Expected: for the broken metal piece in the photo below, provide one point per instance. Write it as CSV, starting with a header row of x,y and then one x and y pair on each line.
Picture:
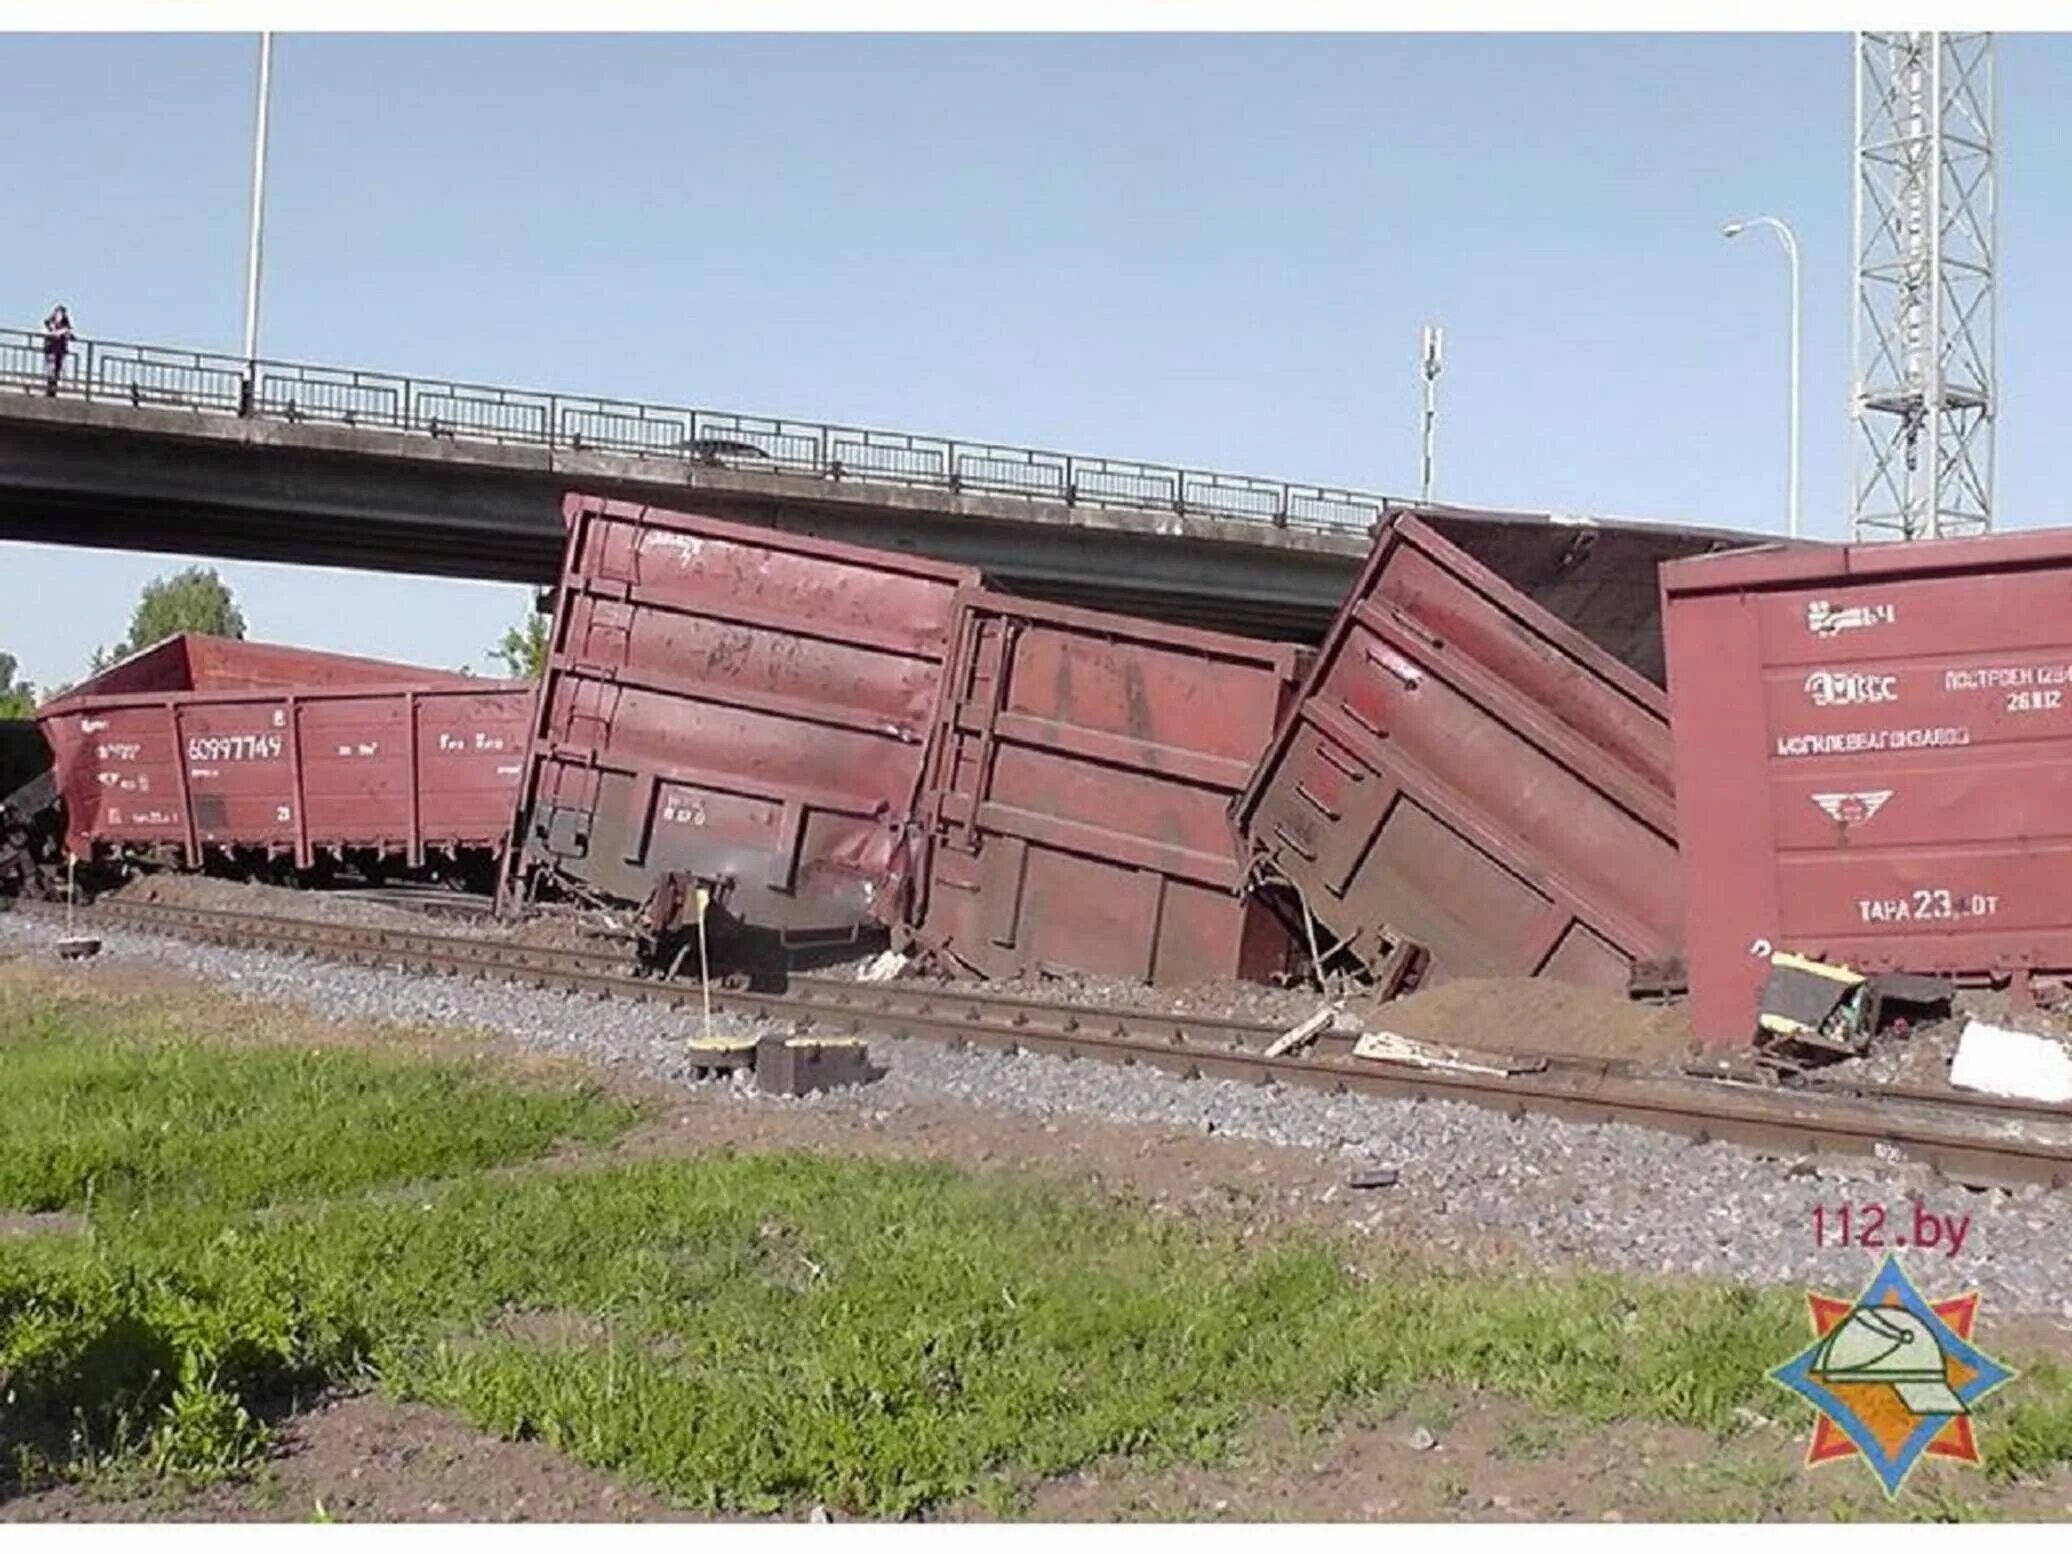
x,y
1813,1012
1302,1034
1388,1047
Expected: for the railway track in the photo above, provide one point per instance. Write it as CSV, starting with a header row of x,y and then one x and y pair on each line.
x,y
1975,1140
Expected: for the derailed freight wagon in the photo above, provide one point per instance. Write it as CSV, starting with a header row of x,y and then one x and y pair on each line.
x,y
1478,773
1079,789
26,792
1873,761
281,762
737,710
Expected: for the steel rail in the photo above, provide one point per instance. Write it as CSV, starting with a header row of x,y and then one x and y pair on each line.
x,y
1971,1139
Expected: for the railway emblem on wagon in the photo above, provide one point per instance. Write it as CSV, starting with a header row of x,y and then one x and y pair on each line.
x,y
1852,809
1893,1376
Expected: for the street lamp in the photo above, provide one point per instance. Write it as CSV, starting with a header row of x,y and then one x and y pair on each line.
x,y
252,249
1791,250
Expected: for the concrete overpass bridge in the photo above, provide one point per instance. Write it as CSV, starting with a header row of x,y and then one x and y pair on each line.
x,y
157,449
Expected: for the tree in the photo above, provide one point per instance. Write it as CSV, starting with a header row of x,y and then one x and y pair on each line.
x,y
193,600
17,697
524,648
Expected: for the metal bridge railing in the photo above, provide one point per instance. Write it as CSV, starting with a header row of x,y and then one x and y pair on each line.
x,y
115,372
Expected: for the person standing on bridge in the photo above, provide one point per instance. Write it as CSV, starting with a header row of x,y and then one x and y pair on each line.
x,y
57,340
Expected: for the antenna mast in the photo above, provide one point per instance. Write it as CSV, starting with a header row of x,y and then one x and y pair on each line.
x,y
1432,347
1925,388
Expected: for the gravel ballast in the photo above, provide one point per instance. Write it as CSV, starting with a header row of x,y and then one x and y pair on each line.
x,y
1612,1196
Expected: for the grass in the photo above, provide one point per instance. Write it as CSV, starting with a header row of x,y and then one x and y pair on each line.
x,y
737,1332
1532,1441
774,1329
120,1110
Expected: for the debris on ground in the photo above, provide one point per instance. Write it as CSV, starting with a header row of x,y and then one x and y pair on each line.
x,y
1999,1061
1534,1014
885,966
1388,1047
1813,1013
1303,1033
1373,1176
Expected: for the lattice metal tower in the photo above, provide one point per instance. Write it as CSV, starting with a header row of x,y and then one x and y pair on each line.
x,y
1924,385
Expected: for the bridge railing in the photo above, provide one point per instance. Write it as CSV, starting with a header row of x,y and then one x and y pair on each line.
x,y
118,372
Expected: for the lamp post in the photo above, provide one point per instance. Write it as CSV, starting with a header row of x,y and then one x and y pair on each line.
x,y
1791,251
1431,352
252,250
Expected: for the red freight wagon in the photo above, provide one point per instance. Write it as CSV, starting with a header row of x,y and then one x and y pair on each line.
x,y
1078,800
1873,760
202,749
734,707
1469,773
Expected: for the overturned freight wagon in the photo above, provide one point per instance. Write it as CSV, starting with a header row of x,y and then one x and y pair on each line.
x,y
1873,761
1478,774
1078,796
202,752
737,710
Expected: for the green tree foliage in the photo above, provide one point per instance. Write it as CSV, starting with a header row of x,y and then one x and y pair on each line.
x,y
524,648
17,697
193,600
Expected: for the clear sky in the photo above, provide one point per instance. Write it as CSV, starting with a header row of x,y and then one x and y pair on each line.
x,y
1198,249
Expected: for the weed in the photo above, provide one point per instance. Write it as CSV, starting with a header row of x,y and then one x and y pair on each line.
x,y
1436,1414
2034,1431
1530,1442
1765,1484
1941,1505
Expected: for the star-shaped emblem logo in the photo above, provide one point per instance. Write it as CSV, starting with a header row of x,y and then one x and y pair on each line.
x,y
1893,1375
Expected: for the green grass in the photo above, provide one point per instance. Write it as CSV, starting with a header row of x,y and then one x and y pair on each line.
x,y
736,1332
120,1111
881,1337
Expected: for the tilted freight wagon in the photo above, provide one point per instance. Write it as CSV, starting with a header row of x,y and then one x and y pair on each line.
x,y
27,791
203,752
732,709
1479,767
1077,805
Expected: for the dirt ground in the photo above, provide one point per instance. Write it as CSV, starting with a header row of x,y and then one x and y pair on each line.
x,y
364,1459
1463,1457
1521,1014
1439,1456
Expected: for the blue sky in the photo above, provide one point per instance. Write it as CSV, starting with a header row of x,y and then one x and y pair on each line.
x,y
1199,249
